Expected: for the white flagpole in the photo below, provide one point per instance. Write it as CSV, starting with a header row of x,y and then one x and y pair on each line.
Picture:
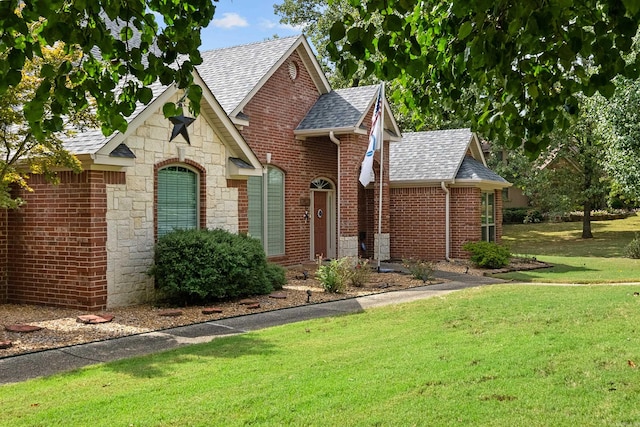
x,y
382,99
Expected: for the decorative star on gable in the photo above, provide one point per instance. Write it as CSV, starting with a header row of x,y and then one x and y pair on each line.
x,y
180,124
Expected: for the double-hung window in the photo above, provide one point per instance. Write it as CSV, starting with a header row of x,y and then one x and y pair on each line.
x,y
266,210
488,217
177,202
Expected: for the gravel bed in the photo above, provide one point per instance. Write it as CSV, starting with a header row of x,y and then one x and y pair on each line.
x,y
60,327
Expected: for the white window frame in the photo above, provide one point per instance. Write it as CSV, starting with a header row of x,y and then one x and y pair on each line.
x,y
488,216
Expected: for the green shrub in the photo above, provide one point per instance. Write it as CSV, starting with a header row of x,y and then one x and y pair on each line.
x,y
276,275
632,250
204,265
421,270
533,216
333,276
514,215
488,254
360,273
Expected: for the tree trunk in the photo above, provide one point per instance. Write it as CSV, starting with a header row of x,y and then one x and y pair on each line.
x,y
586,221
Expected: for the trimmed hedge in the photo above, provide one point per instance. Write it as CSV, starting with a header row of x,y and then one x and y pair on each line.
x,y
488,254
206,265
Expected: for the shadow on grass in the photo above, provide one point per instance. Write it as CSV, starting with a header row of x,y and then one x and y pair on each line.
x,y
226,343
552,273
169,362
604,244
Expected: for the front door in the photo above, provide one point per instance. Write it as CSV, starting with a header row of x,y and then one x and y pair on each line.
x,y
320,224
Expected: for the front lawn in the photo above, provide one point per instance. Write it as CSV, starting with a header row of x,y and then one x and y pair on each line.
x,y
503,355
575,260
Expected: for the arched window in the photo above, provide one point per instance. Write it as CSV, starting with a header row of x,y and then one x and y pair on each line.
x,y
177,199
266,210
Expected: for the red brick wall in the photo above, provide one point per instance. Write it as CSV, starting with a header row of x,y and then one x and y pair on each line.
x,y
499,204
3,256
274,112
57,242
418,223
465,219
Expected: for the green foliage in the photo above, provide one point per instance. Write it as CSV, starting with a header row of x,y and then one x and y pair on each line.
x,y
514,215
532,216
507,69
275,275
205,265
623,149
333,276
632,250
360,273
419,269
61,62
139,54
488,254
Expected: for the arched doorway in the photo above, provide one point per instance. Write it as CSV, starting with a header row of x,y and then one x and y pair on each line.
x,y
323,219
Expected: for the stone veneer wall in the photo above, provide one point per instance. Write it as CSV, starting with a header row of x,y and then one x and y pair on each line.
x,y
131,227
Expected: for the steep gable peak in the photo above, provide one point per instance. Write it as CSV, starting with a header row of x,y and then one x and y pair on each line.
x,y
235,74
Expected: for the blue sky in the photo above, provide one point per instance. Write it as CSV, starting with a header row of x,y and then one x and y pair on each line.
x,y
243,21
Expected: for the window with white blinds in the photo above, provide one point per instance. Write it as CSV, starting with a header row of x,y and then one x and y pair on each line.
x,y
177,199
266,210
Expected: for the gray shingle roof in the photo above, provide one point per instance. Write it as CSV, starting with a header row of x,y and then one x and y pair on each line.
x,y
89,141
437,156
339,108
428,156
471,169
231,73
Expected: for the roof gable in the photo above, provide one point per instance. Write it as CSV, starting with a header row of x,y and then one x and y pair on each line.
x,y
236,73
344,110
439,156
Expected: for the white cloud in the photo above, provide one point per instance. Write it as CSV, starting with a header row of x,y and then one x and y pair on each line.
x,y
265,23
230,20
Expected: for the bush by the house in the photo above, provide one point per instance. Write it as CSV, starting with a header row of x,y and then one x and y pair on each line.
x,y
421,270
632,250
514,215
204,265
333,276
488,254
276,275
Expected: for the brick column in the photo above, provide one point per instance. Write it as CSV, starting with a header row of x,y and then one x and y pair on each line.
x,y
3,256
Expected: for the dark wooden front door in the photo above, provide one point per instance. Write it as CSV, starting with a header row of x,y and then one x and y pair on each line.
x,y
320,223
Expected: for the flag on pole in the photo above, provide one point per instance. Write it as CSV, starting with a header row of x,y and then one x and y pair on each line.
x,y
375,141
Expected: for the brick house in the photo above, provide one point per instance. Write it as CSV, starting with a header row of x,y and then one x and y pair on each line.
x,y
442,195
275,153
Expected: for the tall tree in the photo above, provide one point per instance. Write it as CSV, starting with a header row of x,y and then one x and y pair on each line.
x,y
571,172
140,52
511,69
623,150
21,151
316,18
69,62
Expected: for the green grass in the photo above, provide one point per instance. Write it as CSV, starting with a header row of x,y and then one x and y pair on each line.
x,y
506,355
575,260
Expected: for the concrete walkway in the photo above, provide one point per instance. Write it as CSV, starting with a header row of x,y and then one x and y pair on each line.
x,y
23,367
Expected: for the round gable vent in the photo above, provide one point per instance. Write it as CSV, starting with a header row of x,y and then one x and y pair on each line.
x,y
293,70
